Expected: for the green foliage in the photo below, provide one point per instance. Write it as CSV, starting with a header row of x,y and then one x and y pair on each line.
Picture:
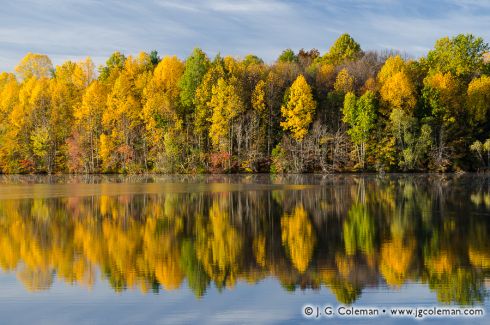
x,y
114,63
345,48
414,143
287,56
360,115
279,160
461,55
252,59
40,146
196,66
359,230
154,58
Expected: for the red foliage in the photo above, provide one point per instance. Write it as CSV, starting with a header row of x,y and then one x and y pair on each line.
x,y
220,162
75,155
27,166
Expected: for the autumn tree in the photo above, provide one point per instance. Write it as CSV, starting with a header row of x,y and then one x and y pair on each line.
x,y
83,146
161,113
345,48
226,105
121,144
344,82
440,94
397,90
113,66
299,109
399,98
479,99
34,65
204,93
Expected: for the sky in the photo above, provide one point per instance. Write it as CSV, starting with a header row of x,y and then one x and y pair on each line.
x,y
74,29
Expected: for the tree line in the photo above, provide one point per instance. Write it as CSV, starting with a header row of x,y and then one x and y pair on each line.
x,y
344,110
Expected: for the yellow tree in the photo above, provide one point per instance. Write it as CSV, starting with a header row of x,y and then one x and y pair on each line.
x,y
39,135
160,112
84,73
259,123
344,82
9,96
204,93
34,65
83,147
66,93
397,90
226,105
441,92
479,98
398,99
442,95
299,109
122,146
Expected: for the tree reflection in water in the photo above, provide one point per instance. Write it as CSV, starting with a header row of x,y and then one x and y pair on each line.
x,y
342,232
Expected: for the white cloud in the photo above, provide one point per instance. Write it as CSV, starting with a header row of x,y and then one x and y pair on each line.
x,y
77,28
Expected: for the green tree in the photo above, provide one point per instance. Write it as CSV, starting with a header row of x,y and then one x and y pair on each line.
x,y
461,55
287,56
196,66
345,48
114,65
360,115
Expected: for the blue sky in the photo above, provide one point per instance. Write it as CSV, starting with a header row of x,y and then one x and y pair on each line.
x,y
74,29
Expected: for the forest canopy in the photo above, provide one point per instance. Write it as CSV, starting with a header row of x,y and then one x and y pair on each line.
x,y
344,110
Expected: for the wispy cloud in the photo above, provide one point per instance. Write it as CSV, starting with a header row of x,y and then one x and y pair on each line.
x,y
70,29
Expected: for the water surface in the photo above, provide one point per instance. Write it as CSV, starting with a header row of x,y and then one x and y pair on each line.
x,y
239,249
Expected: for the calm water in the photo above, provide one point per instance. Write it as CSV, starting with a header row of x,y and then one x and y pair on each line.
x,y
240,249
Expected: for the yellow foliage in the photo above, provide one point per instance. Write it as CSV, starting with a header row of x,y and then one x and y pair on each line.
x,y
298,237
446,86
299,109
479,97
259,250
167,75
392,66
34,65
325,76
258,97
479,258
344,82
396,258
226,104
441,264
219,245
399,91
